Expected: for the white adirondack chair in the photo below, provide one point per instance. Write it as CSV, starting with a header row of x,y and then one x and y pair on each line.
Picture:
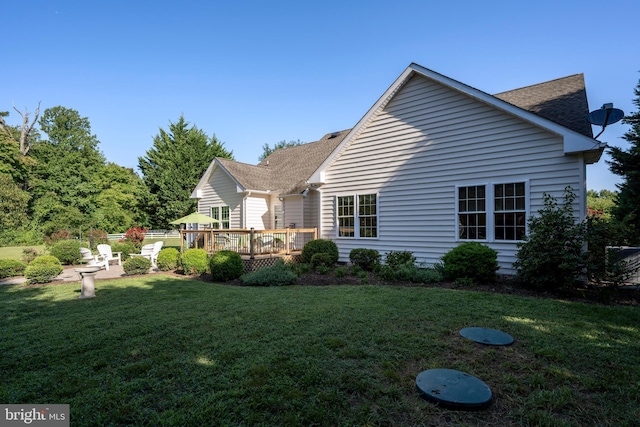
x,y
92,260
106,253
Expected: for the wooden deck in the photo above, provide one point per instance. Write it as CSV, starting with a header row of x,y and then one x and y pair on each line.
x,y
250,243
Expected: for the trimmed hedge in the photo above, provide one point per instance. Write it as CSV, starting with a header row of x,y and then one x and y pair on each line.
x,y
194,261
126,248
136,265
320,246
471,260
168,259
11,268
67,251
226,265
43,269
367,259
278,274
322,260
398,258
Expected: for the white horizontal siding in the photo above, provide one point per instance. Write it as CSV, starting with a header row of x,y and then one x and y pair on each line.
x,y
220,190
293,211
258,214
427,140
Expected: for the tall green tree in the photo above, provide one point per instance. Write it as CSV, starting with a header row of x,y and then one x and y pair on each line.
x,y
626,163
267,150
63,184
172,168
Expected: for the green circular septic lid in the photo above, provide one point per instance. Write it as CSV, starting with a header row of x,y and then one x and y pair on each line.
x,y
487,336
454,389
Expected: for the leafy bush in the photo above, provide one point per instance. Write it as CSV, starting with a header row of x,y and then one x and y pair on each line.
x,y
226,265
67,251
126,248
551,256
341,271
57,237
320,246
136,265
134,235
278,274
29,254
194,261
96,237
398,258
471,260
300,269
368,259
11,267
43,269
322,260
168,259
409,272
46,259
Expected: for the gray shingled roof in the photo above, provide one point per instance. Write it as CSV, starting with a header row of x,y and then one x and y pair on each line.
x,y
563,101
286,171
283,171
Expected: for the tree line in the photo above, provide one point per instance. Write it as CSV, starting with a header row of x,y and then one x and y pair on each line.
x,y
55,177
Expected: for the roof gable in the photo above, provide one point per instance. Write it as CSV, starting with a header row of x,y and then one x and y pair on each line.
x,y
574,141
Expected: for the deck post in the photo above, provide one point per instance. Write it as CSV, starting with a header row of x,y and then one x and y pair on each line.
x,y
252,244
286,242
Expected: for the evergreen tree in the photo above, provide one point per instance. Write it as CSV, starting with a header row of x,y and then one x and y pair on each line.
x,y
172,168
267,150
626,163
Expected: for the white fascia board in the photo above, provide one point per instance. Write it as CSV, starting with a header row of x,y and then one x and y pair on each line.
x,y
197,193
574,142
318,177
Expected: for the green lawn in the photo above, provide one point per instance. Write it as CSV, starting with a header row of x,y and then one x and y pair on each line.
x,y
15,252
164,351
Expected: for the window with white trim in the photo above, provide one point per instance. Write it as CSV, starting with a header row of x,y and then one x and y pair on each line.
x,y
357,215
510,211
492,212
472,214
221,213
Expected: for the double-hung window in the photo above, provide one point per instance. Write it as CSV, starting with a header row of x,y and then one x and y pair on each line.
x,y
492,212
221,213
357,215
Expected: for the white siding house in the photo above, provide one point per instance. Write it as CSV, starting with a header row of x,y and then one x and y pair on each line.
x,y
432,164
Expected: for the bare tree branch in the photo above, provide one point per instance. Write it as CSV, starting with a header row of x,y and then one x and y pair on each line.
x,y
25,129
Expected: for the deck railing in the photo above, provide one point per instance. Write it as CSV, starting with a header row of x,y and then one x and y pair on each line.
x,y
250,242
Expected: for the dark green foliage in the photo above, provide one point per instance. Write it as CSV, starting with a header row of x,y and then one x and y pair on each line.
x,y
168,259
397,258
471,260
321,260
626,163
368,259
320,246
605,267
67,251
126,248
136,265
278,274
301,268
173,167
226,265
11,267
409,272
551,256
341,271
43,269
194,261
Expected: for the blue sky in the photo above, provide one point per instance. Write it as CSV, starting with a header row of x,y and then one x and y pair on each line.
x,y
254,72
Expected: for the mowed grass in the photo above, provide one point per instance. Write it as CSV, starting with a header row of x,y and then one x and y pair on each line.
x,y
165,351
15,252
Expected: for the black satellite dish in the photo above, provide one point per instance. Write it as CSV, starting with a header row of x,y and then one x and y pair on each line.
x,y
605,116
